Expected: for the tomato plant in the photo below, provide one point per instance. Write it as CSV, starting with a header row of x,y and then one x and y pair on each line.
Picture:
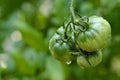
x,y
82,36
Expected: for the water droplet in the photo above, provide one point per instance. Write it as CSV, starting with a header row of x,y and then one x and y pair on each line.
x,y
68,62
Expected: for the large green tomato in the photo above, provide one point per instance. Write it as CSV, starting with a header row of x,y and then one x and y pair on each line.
x,y
96,36
89,59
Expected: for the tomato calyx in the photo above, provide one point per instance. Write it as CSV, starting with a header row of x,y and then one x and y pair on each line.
x,y
82,22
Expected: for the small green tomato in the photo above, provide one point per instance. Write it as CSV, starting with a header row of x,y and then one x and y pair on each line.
x,y
60,46
89,59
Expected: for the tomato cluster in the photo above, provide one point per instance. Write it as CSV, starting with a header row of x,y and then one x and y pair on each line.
x,y
84,37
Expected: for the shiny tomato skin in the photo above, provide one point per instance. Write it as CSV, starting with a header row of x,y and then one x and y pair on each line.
x,y
97,35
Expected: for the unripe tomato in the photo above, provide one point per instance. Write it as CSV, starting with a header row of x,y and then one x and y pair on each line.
x,y
61,51
59,46
95,58
90,59
83,62
96,36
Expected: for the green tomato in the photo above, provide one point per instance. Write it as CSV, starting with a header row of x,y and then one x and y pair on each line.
x,y
95,58
61,51
70,40
89,59
59,46
96,36
82,62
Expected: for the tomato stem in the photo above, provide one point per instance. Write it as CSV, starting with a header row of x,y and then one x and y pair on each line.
x,y
65,30
76,43
75,53
72,10
77,21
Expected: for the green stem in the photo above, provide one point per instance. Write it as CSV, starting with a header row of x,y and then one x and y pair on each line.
x,y
72,10
77,45
65,30
82,24
75,20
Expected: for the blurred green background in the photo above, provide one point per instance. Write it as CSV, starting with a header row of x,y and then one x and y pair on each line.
x,y
26,27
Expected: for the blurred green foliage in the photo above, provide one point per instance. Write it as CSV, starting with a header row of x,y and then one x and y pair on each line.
x,y
26,27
